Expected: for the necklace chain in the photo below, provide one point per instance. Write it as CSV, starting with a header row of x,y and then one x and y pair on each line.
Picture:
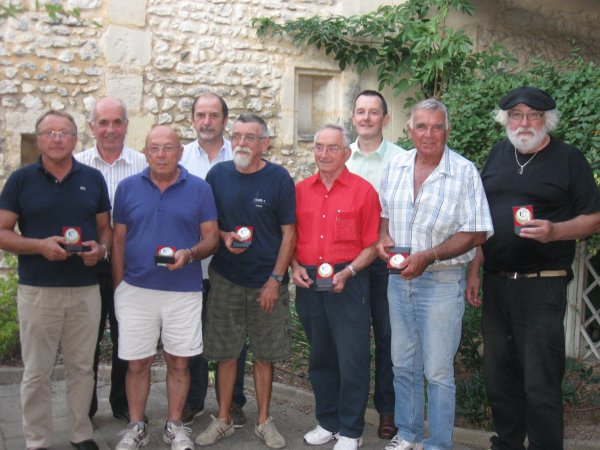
x,y
522,166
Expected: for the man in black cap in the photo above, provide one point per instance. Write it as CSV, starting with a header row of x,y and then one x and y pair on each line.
x,y
542,197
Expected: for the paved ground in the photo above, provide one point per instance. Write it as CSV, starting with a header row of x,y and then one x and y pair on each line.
x,y
292,410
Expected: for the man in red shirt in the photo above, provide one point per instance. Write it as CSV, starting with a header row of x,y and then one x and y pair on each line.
x,y
337,218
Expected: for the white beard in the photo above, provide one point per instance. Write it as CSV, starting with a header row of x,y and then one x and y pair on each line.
x,y
528,143
242,157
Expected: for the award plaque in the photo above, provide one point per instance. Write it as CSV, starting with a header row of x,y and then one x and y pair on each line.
x,y
521,214
165,255
73,240
245,234
324,277
397,257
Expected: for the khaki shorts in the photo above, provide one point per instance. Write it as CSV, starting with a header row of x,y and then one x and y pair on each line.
x,y
144,315
234,313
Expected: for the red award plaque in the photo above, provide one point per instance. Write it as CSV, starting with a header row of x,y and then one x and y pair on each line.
x,y
73,240
245,233
164,255
521,214
397,257
324,277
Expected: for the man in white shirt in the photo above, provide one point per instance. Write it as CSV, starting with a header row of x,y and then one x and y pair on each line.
x,y
371,153
108,124
209,118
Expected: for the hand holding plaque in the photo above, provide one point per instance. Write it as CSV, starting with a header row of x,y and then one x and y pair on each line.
x,y
324,278
164,255
521,214
397,257
73,240
245,234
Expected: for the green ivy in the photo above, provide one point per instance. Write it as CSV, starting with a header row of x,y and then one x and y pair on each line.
x,y
9,324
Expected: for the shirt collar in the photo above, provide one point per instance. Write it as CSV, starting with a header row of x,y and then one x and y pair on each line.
x,y
442,167
379,153
342,179
123,156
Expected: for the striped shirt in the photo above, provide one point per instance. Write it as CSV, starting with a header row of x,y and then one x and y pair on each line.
x,y
128,163
450,200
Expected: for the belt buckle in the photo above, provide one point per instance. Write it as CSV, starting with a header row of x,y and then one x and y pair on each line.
x,y
513,275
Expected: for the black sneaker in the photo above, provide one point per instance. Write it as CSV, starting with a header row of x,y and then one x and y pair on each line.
x,y
189,414
237,416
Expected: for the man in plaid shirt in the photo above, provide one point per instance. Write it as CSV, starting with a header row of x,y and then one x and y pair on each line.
x,y
434,212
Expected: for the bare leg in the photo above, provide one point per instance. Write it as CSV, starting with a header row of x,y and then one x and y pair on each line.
x,y
263,380
178,384
226,373
137,385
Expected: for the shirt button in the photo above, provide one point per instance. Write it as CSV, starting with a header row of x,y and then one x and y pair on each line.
x,y
321,236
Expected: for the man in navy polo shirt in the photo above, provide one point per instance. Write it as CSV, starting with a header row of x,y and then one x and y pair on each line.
x,y
162,212
58,298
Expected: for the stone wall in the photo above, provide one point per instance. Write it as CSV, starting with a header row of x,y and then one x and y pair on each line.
x,y
158,55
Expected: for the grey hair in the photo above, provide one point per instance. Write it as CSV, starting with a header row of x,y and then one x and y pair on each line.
x,y
341,129
92,116
253,118
551,118
430,104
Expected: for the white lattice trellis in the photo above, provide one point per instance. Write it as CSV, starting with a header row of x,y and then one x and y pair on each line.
x,y
581,312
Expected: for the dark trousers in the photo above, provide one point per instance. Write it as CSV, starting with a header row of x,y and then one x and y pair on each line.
x,y
524,359
383,398
337,327
118,397
198,366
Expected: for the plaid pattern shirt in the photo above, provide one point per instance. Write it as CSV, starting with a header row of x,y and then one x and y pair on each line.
x,y
450,200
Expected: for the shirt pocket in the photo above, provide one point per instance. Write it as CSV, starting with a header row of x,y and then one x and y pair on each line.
x,y
347,226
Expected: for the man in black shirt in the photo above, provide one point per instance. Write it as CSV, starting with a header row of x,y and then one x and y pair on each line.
x,y
542,197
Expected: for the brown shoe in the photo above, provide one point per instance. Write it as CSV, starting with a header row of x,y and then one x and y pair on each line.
x,y
387,429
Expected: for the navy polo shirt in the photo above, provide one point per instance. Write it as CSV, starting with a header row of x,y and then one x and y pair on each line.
x,y
44,206
169,219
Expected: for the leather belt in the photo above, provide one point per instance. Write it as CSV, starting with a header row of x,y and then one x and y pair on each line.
x,y
540,274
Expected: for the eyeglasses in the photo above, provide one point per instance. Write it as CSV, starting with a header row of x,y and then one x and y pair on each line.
x,y
51,134
249,138
330,148
532,116
167,148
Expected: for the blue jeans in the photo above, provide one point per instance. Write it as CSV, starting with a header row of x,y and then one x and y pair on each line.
x,y
383,397
198,366
426,318
337,328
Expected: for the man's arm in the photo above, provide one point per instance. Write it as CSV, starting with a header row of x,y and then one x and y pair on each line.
x,y
270,290
118,253
455,245
13,242
104,232
576,228
209,241
473,281
385,240
362,260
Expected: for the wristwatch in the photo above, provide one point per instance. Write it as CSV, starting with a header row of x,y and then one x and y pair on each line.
x,y
276,277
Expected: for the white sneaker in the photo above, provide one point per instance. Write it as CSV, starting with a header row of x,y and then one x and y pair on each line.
x,y
217,429
269,434
319,436
346,443
178,436
400,444
134,436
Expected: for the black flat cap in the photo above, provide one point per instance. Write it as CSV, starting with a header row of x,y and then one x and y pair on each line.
x,y
533,97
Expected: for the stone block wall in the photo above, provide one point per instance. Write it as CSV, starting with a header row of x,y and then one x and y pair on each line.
x,y
158,55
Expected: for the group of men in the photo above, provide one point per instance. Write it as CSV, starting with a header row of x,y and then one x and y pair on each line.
x,y
379,237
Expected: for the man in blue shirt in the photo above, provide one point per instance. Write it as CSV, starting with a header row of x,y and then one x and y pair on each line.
x,y
164,211
59,297
249,293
